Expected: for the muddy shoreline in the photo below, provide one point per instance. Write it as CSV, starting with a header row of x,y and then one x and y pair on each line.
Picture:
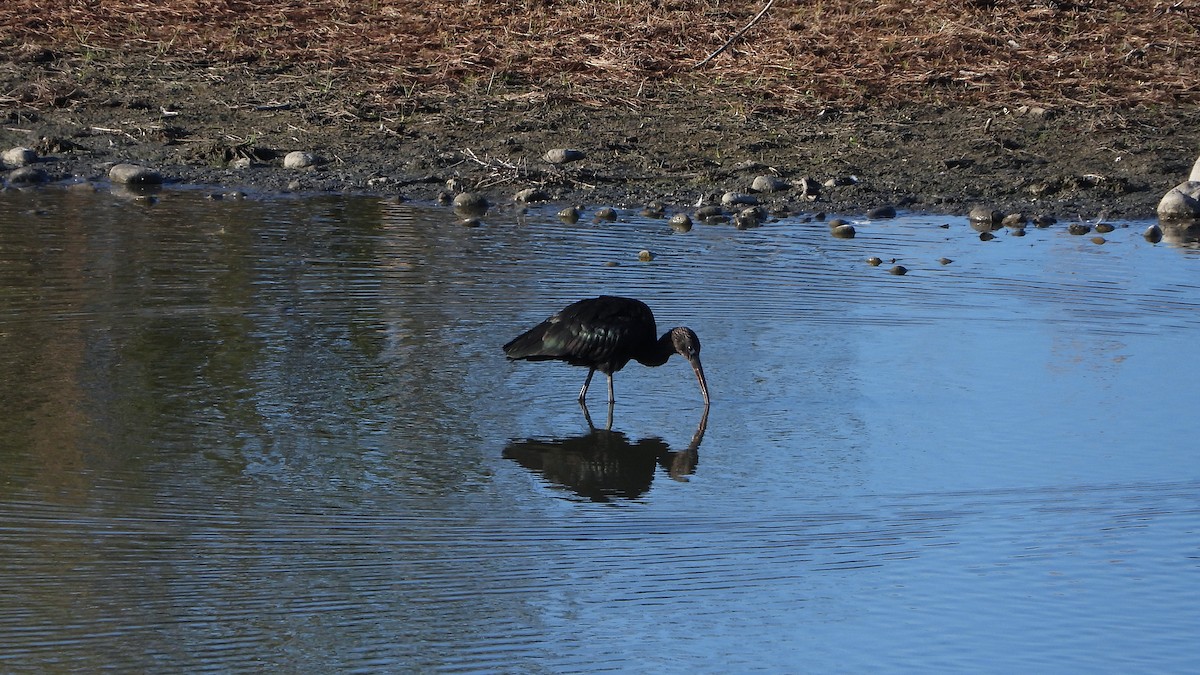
x,y
232,132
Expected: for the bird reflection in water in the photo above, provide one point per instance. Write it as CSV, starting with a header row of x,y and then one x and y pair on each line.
x,y
603,464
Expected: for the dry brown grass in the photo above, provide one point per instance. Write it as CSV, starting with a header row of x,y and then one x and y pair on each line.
x,y
1102,53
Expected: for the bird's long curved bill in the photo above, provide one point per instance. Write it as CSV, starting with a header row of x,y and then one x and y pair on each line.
x,y
700,377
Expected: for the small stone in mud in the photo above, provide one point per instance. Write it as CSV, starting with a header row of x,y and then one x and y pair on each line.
x,y
768,183
810,189
654,209
27,175
898,270
945,261
470,203
18,157
1015,220
986,236
1079,228
738,198
529,195
607,213
1153,234
843,232
1104,228
563,155
882,212
645,256
680,222
1098,240
132,174
874,261
569,215
298,159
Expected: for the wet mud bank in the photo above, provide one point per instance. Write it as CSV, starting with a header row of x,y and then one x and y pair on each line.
x,y
244,133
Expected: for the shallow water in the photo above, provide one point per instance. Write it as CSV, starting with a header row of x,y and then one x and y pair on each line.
x,y
278,434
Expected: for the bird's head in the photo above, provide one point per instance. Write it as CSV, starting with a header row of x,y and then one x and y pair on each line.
x,y
687,345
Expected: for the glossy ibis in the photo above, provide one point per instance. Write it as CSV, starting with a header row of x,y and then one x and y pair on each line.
x,y
604,334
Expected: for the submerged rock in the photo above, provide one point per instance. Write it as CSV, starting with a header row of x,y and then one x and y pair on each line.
x,y
898,270
569,215
681,222
1079,228
845,231
469,203
606,213
881,212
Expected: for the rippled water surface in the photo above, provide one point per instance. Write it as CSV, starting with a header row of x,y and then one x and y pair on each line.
x,y
279,435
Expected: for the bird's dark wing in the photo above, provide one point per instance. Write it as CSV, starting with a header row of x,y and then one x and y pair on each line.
x,y
603,333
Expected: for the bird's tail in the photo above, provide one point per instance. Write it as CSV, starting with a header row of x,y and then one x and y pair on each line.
x,y
528,345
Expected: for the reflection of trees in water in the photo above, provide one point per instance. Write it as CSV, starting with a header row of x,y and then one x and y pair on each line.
x,y
604,464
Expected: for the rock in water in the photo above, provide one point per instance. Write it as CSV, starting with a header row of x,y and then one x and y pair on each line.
x,y
132,174
1181,202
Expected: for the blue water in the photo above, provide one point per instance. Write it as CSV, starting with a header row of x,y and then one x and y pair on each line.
x,y
278,434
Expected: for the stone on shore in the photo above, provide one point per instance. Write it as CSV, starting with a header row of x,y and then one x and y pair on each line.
x,y
563,155
298,159
133,174
738,199
18,157
1181,202
768,183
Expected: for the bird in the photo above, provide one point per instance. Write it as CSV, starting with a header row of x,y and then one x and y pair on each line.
x,y
604,334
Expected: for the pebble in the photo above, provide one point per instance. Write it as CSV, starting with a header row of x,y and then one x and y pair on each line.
x,y
874,261
1104,228
1042,220
645,256
298,159
1153,234
1098,240
706,212
1079,228
18,157
986,236
132,174
529,195
882,212
563,155
681,222
843,232
768,183
898,270
945,261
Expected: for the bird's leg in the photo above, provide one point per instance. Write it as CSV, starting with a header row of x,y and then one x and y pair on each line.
x,y
611,399
583,392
